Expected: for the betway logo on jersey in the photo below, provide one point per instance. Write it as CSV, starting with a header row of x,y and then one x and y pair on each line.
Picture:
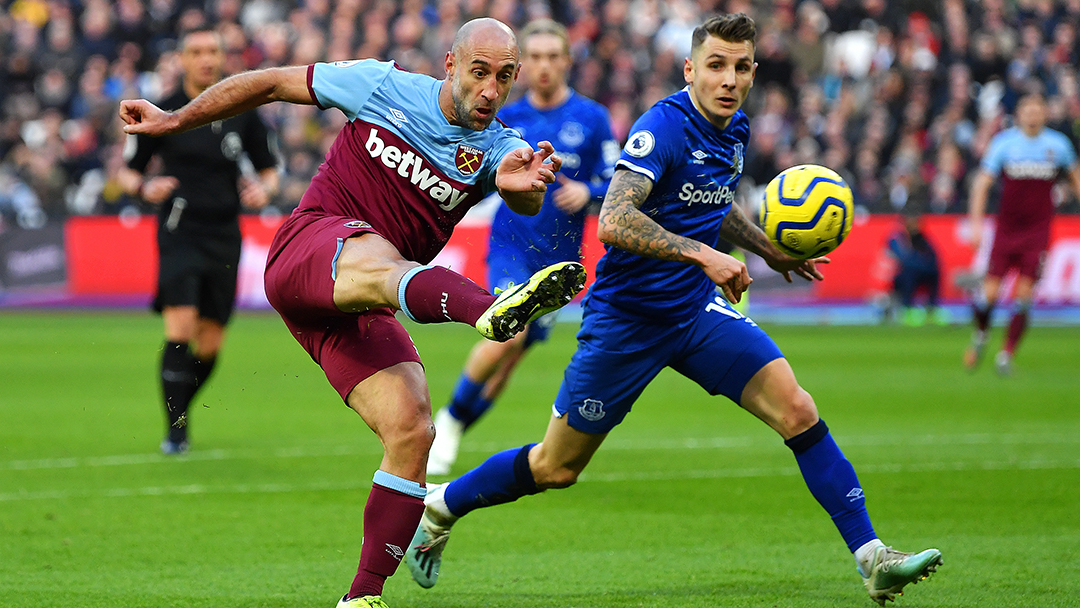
x,y
411,167
1031,169
692,194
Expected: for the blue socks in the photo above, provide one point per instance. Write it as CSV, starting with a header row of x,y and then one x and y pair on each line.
x,y
832,481
466,404
504,477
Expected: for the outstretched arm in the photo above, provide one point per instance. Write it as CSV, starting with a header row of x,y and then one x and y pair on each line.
x,y
229,97
622,224
738,230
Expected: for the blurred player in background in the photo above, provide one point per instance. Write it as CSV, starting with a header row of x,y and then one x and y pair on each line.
x,y
521,245
1029,158
917,268
199,194
414,156
653,306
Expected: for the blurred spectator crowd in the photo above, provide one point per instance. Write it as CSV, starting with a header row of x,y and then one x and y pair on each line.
x,y
901,97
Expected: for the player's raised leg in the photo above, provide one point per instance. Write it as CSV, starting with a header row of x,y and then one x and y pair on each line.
x,y
774,396
394,402
371,273
502,478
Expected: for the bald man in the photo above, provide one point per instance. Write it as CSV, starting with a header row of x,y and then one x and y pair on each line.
x,y
415,155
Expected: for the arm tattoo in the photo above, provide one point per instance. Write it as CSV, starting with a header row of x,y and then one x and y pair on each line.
x,y
627,227
740,231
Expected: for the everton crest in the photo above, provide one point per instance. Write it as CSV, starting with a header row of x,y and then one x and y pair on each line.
x,y
468,159
592,410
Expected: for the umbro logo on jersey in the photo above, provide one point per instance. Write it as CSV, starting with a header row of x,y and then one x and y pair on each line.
x,y
397,117
410,166
357,224
698,154
468,159
855,494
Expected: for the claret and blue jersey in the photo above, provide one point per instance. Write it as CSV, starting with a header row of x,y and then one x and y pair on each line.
x,y
399,164
580,131
695,168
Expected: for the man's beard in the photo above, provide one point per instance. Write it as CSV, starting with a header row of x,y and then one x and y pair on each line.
x,y
464,114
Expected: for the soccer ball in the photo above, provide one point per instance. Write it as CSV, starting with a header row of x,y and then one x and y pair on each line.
x,y
807,211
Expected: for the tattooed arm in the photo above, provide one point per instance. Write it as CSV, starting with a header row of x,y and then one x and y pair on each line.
x,y
622,224
738,230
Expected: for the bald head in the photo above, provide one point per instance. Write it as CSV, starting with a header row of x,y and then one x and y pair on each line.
x,y
480,69
483,31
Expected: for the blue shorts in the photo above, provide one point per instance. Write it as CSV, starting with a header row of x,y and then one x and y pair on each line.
x,y
719,348
506,269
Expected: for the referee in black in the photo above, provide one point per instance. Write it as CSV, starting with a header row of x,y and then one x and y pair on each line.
x,y
199,193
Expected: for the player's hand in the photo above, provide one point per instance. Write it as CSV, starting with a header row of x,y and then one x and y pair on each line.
x,y
253,194
571,195
157,189
142,117
526,170
806,269
729,274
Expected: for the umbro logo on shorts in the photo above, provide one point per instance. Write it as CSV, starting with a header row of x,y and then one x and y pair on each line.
x,y
357,224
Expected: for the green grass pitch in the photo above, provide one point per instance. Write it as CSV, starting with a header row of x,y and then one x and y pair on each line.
x,y
691,502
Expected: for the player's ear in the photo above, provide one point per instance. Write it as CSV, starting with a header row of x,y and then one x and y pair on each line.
x,y
517,70
449,64
688,71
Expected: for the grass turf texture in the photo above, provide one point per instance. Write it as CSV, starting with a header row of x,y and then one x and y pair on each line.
x,y
691,502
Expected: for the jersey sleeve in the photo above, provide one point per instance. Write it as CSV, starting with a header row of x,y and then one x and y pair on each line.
x,y
1068,152
507,142
995,155
651,147
347,85
258,143
138,149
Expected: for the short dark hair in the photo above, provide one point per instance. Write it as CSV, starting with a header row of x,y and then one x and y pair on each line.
x,y
732,28
201,29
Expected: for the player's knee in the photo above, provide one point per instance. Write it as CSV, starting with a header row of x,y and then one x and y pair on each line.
x,y
799,412
364,279
410,430
803,413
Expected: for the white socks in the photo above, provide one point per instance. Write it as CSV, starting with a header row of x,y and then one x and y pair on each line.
x,y
864,556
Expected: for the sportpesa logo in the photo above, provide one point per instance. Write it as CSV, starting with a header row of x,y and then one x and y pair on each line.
x,y
1031,169
692,194
411,167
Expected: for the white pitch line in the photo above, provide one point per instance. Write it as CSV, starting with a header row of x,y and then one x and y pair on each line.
x,y
283,488
371,448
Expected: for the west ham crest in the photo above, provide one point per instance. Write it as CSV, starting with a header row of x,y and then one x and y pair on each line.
x,y
468,159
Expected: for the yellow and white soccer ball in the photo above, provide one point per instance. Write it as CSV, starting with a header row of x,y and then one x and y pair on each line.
x,y
807,211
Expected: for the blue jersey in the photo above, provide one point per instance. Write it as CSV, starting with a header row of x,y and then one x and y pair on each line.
x,y
695,168
580,130
399,164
